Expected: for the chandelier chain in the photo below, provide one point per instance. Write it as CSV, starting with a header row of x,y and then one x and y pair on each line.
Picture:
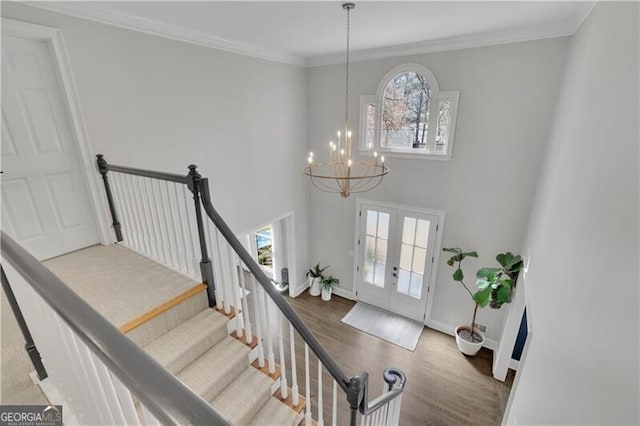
x,y
346,97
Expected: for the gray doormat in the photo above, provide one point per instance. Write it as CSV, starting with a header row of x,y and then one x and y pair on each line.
x,y
387,326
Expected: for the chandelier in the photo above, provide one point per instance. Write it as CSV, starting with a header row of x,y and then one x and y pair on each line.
x,y
341,173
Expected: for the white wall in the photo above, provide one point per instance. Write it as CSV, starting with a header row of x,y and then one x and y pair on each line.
x,y
156,103
507,97
581,361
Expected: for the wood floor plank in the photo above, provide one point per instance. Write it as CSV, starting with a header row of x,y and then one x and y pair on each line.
x,y
444,387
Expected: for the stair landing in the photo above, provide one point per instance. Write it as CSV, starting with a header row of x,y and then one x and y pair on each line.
x,y
118,282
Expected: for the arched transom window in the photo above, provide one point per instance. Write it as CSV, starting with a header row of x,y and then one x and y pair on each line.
x,y
409,116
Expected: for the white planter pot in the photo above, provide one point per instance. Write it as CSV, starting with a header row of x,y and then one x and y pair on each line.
x,y
314,286
466,347
326,294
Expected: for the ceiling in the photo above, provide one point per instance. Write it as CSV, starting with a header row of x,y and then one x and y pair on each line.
x,y
314,32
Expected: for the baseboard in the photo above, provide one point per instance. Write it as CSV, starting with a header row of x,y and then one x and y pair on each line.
x,y
450,330
299,289
514,364
344,293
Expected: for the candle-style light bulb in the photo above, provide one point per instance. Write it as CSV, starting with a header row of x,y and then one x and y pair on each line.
x,y
349,134
375,154
330,143
349,163
342,152
339,133
311,154
382,158
370,145
310,160
335,147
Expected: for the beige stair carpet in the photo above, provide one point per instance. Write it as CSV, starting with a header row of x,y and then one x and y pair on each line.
x,y
118,282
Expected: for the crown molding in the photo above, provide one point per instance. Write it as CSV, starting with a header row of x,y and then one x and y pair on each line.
x,y
86,10
443,45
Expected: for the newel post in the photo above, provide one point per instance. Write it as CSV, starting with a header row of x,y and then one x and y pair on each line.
x,y
103,169
29,345
193,183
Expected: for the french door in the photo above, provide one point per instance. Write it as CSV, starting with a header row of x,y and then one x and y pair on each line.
x,y
395,258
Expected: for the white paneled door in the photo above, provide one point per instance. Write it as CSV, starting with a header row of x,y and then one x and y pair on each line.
x,y
395,258
45,201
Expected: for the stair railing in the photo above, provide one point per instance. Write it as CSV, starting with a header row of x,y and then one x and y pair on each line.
x,y
154,208
100,375
157,219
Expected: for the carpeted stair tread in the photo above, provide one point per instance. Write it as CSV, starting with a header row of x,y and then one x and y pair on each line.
x,y
182,345
241,400
274,413
209,374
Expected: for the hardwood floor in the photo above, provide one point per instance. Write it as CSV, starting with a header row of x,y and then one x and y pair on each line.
x,y
443,386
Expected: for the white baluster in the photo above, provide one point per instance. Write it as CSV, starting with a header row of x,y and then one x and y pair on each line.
x,y
144,217
245,308
126,402
165,225
224,269
237,305
284,387
269,332
156,216
191,231
307,417
104,380
320,404
215,262
258,319
129,193
149,218
181,225
364,420
294,373
334,410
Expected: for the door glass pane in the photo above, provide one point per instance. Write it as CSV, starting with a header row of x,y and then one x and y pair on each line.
x,y
419,255
403,282
383,225
378,275
405,257
372,222
422,233
381,251
368,271
370,249
416,286
408,230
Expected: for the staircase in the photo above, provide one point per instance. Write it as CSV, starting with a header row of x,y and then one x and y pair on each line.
x,y
193,342
205,356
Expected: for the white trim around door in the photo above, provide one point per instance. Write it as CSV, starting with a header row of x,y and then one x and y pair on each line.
x,y
52,37
394,244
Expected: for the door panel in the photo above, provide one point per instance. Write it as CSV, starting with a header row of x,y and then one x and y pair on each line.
x,y
46,203
375,226
395,259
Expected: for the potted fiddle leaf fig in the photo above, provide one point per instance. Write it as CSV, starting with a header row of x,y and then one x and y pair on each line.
x,y
494,287
315,279
328,283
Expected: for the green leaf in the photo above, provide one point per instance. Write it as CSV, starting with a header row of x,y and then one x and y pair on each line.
x,y
458,275
482,297
507,282
503,294
470,254
488,273
452,250
450,262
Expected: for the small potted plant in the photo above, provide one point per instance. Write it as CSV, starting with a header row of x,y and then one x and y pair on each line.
x,y
494,288
328,283
315,279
